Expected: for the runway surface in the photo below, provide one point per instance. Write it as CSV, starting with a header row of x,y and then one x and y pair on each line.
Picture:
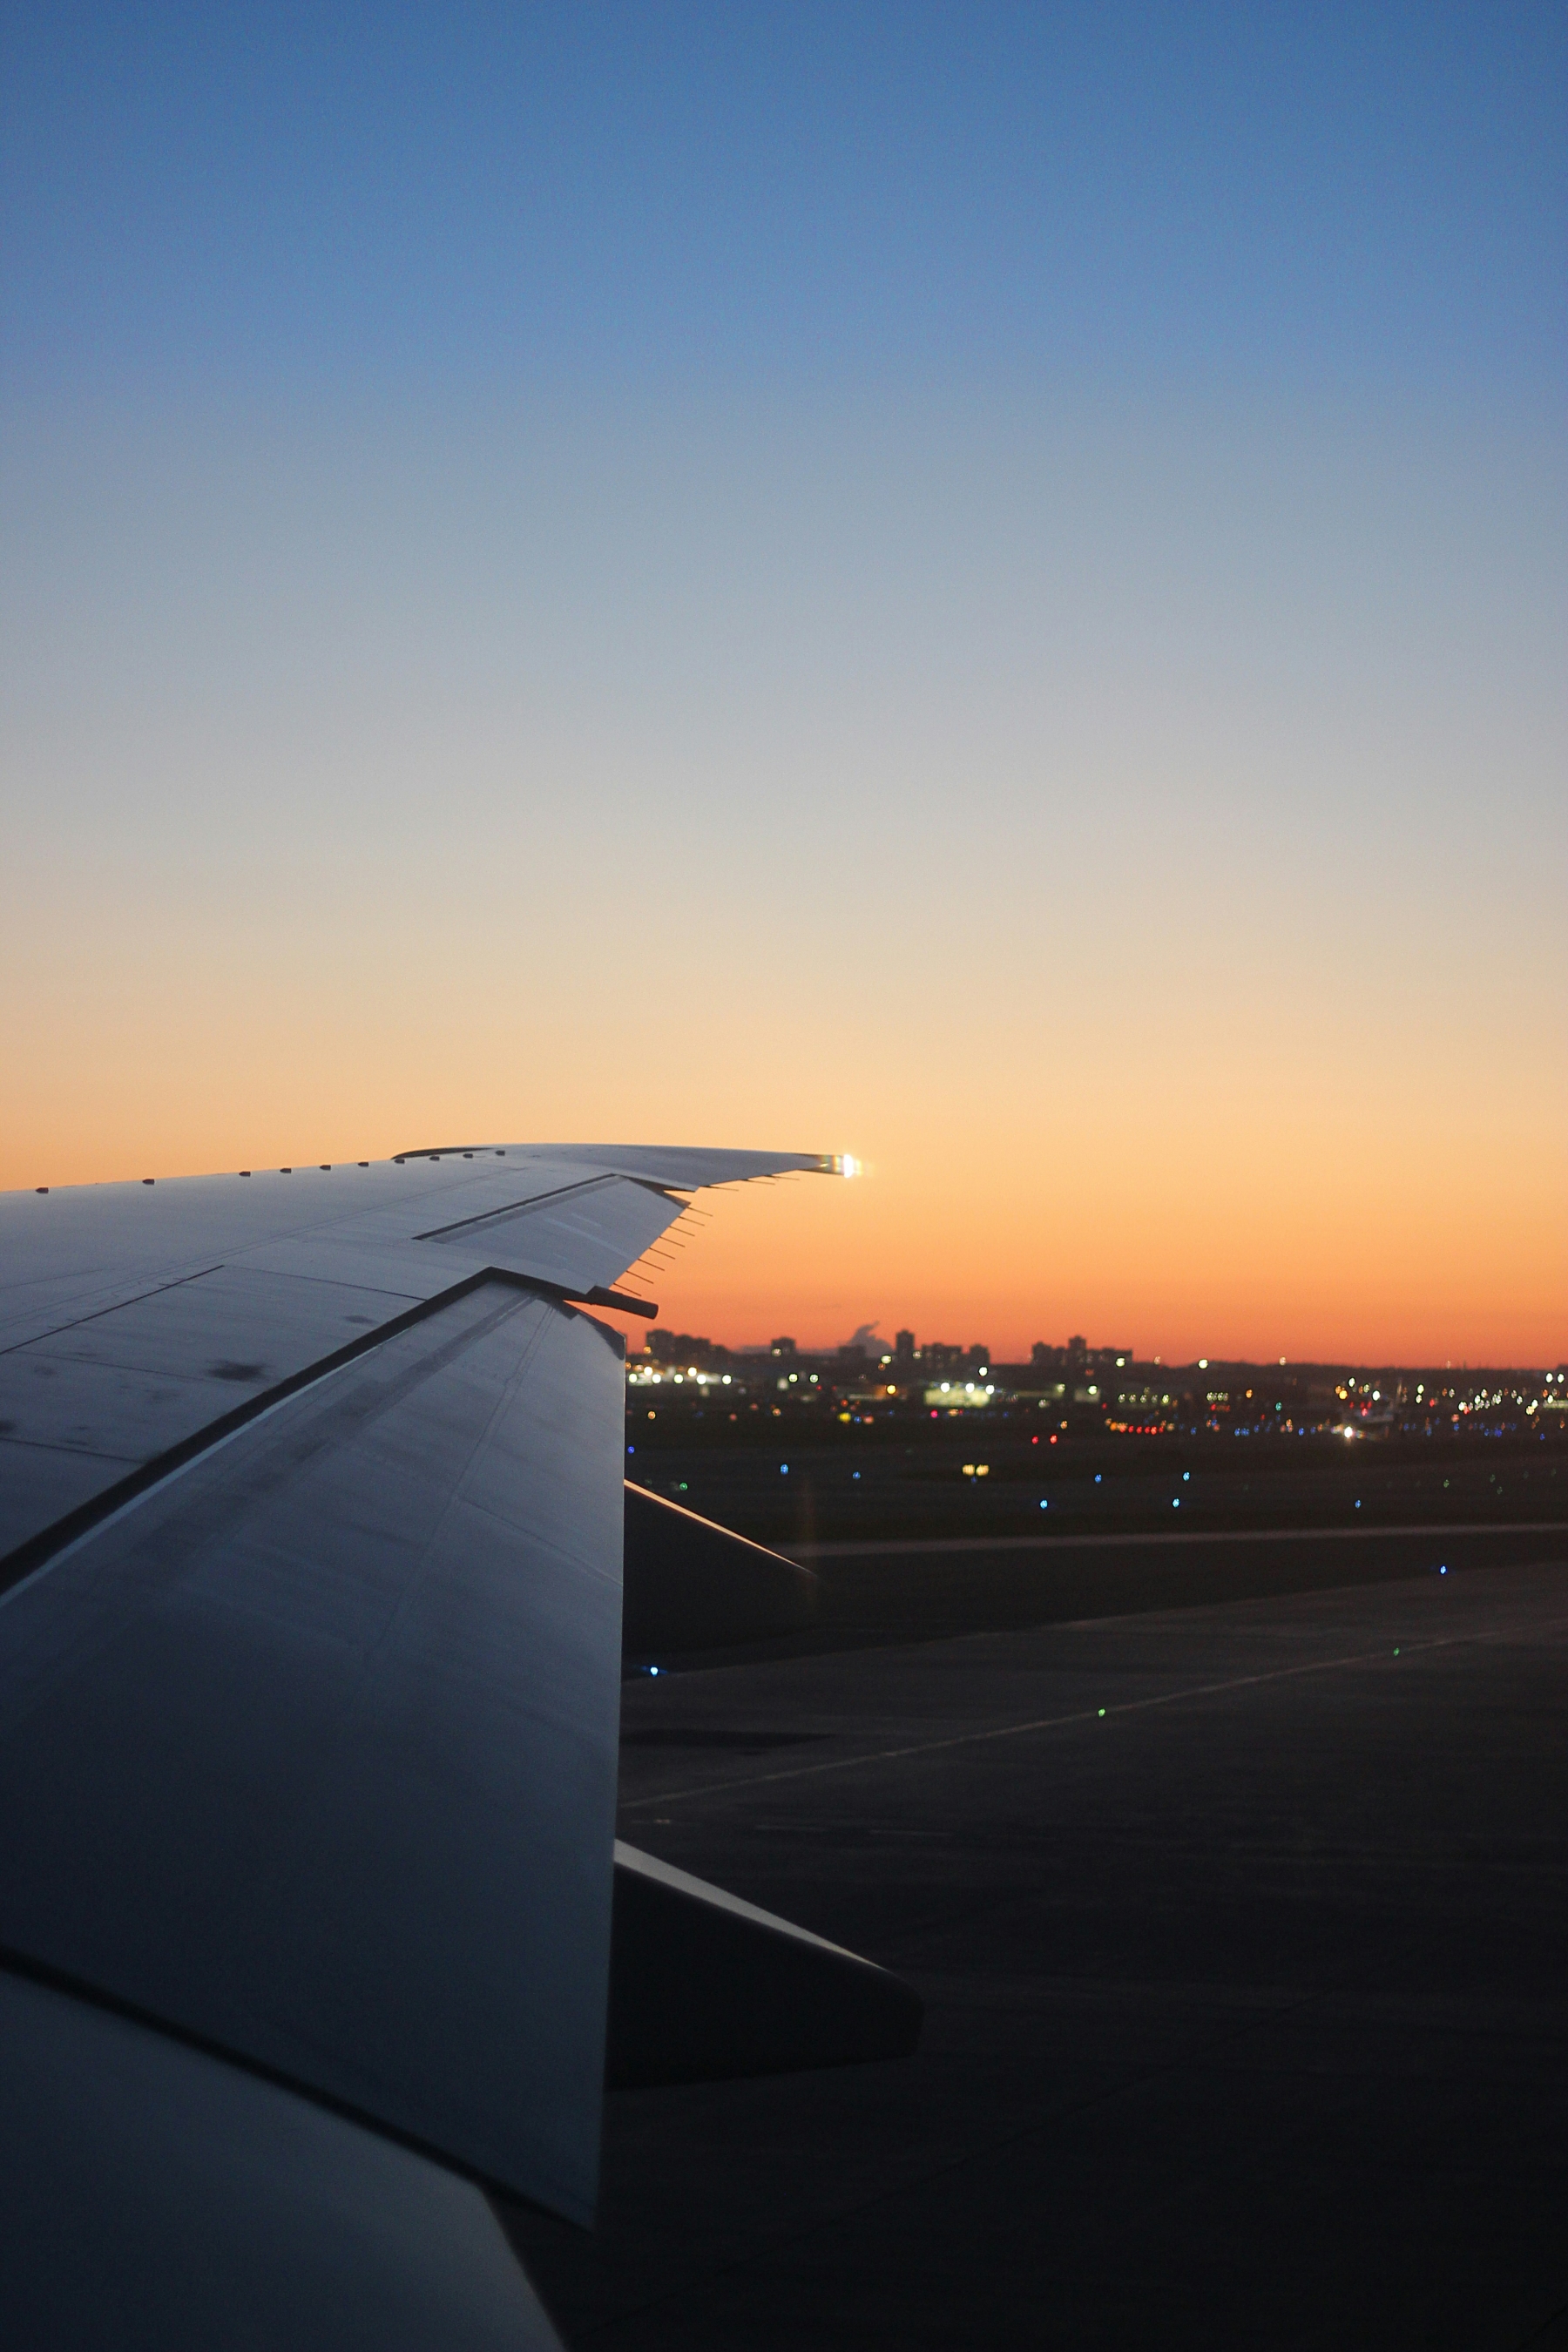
x,y
1242,1931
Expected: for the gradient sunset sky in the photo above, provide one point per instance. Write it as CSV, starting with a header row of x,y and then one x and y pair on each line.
x,y
982,586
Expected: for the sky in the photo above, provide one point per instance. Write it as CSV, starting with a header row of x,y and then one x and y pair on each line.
x,y
978,585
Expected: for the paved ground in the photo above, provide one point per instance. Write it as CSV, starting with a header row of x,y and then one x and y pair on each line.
x,y
904,1479
1247,2019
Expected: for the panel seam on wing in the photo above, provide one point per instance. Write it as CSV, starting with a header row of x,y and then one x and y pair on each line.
x,y
17,1963
42,1548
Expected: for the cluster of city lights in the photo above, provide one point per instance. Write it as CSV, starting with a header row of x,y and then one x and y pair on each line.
x,y
1353,1407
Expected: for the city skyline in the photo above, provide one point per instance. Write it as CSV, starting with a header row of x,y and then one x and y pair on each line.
x,y
662,1343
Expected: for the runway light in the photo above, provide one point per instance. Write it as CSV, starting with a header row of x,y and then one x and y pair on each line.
x,y
1045,1507
653,1670
1443,1572
1102,1710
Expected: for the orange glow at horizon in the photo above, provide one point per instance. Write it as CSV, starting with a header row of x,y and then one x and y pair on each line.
x,y
1139,838
1020,1250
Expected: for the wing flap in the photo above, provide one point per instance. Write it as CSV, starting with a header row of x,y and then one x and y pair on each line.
x,y
578,1238
311,1750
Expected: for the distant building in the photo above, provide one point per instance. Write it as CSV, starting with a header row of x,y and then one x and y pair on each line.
x,y
1078,1362
683,1347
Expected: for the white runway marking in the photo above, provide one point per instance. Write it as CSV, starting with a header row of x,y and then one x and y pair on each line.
x,y
1382,1654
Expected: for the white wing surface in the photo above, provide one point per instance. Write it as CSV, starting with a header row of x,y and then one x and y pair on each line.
x,y
311,1505
139,1319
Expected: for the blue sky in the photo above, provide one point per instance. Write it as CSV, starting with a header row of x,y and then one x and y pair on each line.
x,y
984,587
637,192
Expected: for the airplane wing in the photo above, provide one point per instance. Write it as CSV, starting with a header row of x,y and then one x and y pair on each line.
x,y
311,1601
138,1320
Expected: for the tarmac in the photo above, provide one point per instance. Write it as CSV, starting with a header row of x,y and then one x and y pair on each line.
x,y
1241,1930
